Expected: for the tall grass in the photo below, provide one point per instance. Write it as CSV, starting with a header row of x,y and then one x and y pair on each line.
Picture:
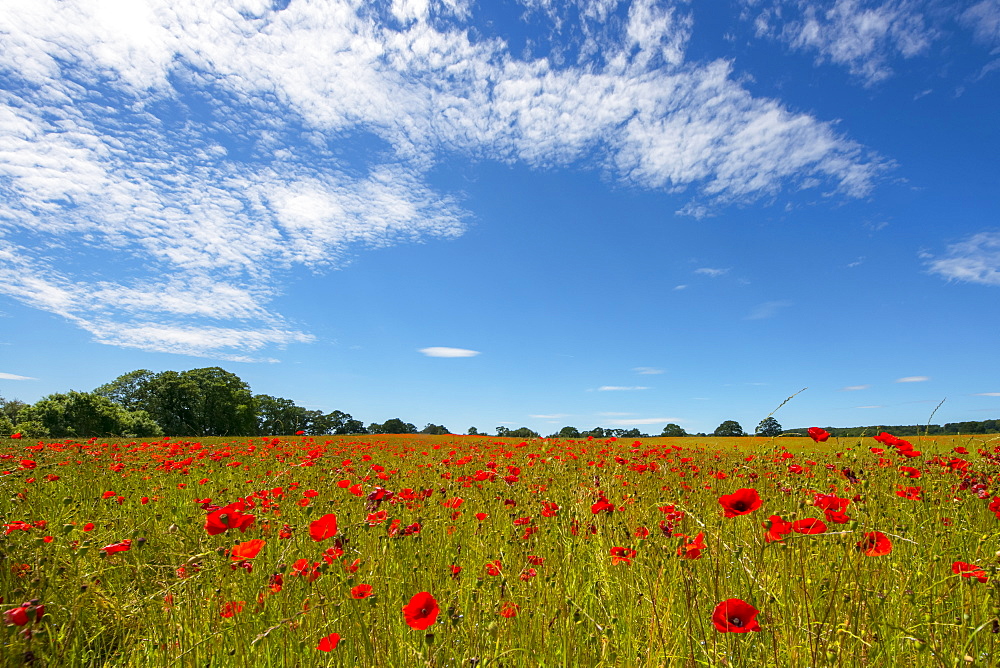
x,y
821,601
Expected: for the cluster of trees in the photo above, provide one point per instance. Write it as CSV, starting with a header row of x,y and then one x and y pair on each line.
x,y
947,429
198,402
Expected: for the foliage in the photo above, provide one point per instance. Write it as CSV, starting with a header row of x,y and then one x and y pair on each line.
x,y
520,432
673,431
393,426
435,429
729,428
768,427
83,414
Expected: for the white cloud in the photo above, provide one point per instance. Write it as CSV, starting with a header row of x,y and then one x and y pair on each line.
x,y
987,394
647,371
613,414
854,388
196,151
554,416
439,351
872,406
767,310
711,272
619,388
912,379
680,287
14,376
974,260
984,20
860,35
641,421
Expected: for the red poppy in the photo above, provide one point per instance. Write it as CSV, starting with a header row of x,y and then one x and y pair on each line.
x,y
481,516
777,528
602,505
968,571
329,643
493,567
323,528
875,544
912,493
509,610
641,532
740,502
622,554
735,616
123,546
817,434
361,591
231,608
228,517
692,549
89,526
299,432
247,550
421,611
17,435
809,525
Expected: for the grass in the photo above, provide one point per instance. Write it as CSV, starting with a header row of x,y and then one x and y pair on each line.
x,y
822,602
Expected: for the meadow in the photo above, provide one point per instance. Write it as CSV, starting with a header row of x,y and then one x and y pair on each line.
x,y
477,551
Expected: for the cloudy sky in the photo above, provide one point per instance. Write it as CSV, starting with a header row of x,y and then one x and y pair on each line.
x,y
510,213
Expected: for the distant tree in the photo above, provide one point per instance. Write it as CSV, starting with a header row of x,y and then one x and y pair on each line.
x,y
6,426
502,431
85,414
435,429
596,432
673,430
522,432
729,428
393,426
568,432
131,390
473,431
768,427
10,408
276,416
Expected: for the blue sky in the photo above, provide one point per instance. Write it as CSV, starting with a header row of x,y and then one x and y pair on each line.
x,y
516,213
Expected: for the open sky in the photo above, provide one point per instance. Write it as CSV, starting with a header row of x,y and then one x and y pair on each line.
x,y
531,213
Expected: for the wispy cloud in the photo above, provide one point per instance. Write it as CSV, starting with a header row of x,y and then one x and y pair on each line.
x,y
439,351
14,376
854,388
613,414
711,272
767,309
619,388
680,287
987,394
553,416
863,36
912,379
872,406
202,149
984,20
647,370
974,260
642,421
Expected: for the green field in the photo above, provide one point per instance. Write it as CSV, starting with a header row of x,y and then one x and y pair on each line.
x,y
526,553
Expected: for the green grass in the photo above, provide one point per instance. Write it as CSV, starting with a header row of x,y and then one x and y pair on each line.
x,y
821,602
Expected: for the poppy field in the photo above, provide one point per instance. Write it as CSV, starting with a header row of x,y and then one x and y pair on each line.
x,y
477,551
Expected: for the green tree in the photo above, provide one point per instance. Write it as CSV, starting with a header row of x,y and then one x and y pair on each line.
x,y
6,426
131,390
568,432
435,429
673,430
473,431
276,415
729,428
10,408
393,426
769,427
520,432
85,414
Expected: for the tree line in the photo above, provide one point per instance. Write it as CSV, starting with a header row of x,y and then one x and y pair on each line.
x,y
216,402
197,402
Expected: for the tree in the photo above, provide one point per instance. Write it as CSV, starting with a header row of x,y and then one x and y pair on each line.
x,y
502,431
435,429
673,430
393,426
6,426
281,416
130,390
596,432
10,408
473,431
769,427
729,428
521,432
85,414
568,432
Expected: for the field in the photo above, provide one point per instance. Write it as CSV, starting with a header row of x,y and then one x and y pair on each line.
x,y
477,551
